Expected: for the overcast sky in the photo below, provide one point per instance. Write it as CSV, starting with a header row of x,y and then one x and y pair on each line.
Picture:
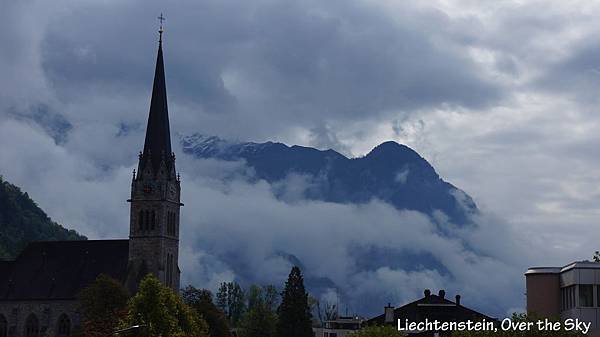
x,y
499,96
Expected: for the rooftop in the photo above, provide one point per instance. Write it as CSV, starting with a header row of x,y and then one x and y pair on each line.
x,y
558,270
52,270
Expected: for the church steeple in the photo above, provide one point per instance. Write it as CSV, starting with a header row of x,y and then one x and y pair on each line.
x,y
155,195
157,145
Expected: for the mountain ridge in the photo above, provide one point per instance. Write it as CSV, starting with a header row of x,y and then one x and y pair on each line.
x,y
390,172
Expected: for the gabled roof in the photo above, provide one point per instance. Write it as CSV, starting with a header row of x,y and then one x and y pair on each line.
x,y
432,307
52,270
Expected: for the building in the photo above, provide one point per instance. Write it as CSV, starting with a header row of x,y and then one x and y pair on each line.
x,y
38,290
339,327
430,307
572,291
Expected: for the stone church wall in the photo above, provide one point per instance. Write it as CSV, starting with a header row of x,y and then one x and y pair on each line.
x,y
47,313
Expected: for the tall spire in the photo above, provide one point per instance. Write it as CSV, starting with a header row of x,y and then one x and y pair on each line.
x,y
157,144
155,196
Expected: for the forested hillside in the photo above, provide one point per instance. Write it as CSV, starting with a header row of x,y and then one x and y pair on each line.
x,y
22,221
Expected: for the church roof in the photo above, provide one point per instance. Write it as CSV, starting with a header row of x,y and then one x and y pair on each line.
x,y
53,270
158,137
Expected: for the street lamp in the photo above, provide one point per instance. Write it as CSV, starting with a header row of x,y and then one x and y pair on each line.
x,y
131,328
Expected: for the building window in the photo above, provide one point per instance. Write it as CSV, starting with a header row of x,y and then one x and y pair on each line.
x,y
153,222
147,222
141,220
32,326
64,326
567,298
3,326
168,223
586,295
171,223
169,269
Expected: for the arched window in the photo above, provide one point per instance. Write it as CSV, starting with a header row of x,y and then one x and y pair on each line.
x,y
175,224
168,223
169,269
147,222
141,220
3,326
64,326
172,223
153,223
32,326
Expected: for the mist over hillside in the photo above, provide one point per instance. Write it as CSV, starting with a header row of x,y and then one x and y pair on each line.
x,y
367,231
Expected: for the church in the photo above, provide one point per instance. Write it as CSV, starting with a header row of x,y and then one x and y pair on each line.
x,y
38,290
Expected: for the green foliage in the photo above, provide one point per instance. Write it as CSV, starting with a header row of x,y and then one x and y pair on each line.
x,y
261,317
22,221
103,303
201,300
230,299
511,333
161,312
377,331
294,312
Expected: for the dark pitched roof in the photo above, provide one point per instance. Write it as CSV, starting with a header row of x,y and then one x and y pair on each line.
x,y
60,269
432,307
158,137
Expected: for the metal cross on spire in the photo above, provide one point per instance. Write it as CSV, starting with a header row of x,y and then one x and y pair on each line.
x,y
161,18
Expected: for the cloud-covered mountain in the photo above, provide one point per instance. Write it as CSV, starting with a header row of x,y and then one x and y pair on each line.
x,y
391,172
367,231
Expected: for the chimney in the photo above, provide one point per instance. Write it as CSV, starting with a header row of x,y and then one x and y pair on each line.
x,y
457,299
389,314
442,293
427,292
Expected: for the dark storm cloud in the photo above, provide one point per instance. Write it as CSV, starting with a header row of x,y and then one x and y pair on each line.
x,y
577,73
267,64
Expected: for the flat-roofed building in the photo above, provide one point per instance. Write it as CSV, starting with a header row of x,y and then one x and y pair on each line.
x,y
572,291
340,327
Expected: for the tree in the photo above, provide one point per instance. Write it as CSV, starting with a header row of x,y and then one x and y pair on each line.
x,y
230,299
294,312
331,311
261,317
162,312
377,331
23,221
202,301
103,304
596,257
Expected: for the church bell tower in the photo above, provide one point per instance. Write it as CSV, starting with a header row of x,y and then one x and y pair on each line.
x,y
155,195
